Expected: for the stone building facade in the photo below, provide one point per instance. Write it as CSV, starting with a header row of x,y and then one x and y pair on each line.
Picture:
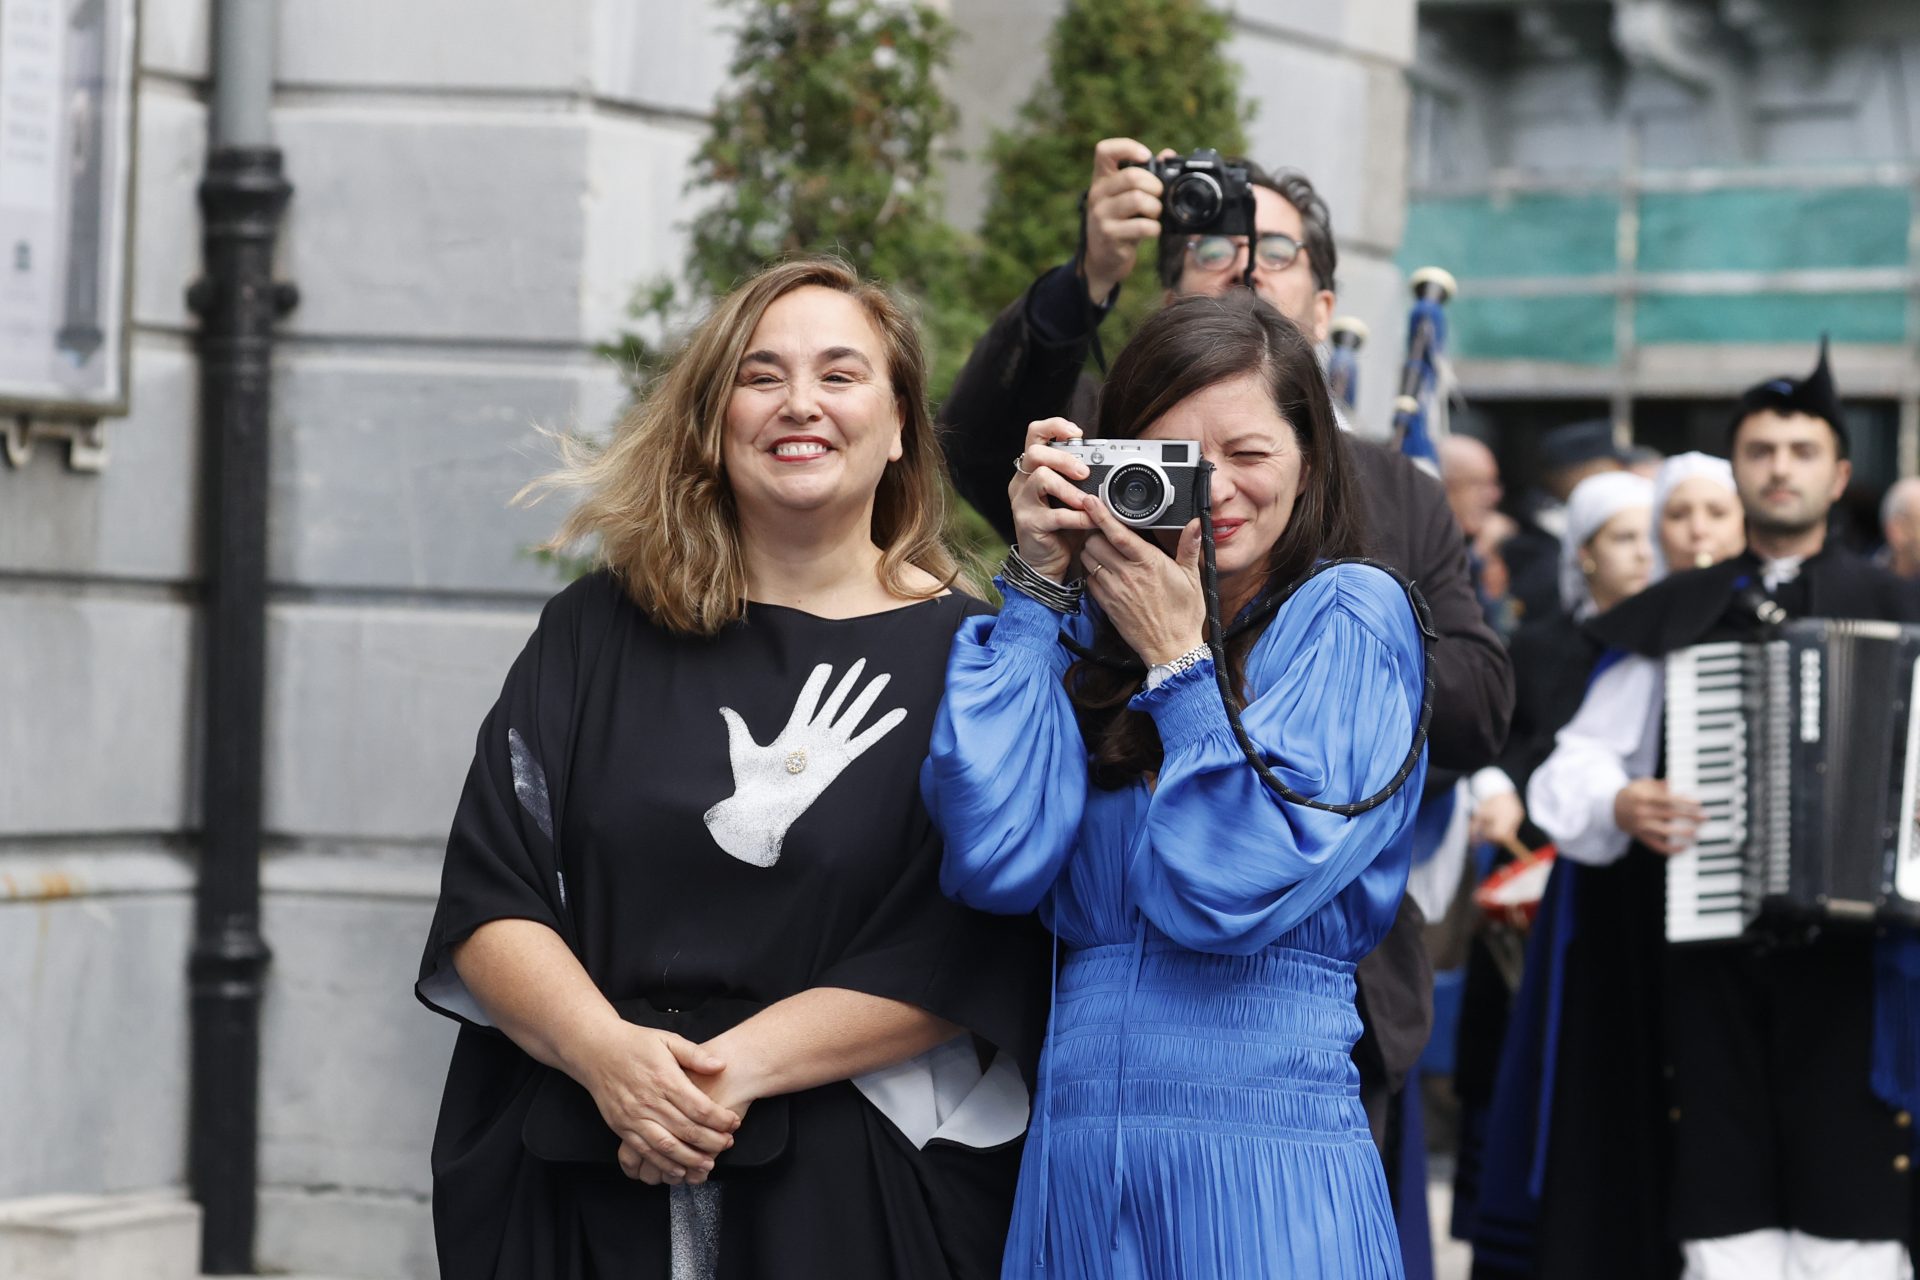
x,y
1653,203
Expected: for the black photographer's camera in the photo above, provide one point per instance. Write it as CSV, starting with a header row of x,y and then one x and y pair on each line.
x,y
1148,484
1204,194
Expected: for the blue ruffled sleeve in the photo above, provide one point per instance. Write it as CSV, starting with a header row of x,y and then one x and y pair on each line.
x,y
1335,685
1006,775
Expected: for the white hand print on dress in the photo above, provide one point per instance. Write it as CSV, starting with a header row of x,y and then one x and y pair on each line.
x,y
773,785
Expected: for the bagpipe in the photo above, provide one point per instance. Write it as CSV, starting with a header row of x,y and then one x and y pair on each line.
x,y
1426,382
1347,334
1420,410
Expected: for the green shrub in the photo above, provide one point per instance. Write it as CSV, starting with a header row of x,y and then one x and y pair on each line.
x,y
825,140
1154,70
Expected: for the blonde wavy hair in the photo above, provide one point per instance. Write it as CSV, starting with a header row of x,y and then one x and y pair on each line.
x,y
656,501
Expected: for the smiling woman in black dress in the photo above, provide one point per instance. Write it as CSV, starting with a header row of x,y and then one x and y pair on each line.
x,y
717,1018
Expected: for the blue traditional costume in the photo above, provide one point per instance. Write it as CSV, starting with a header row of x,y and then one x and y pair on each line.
x,y
1199,1112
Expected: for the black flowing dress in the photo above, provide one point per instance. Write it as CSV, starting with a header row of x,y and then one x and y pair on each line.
x,y
736,819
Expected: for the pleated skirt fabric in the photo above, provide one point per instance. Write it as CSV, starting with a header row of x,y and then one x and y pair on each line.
x,y
1200,1117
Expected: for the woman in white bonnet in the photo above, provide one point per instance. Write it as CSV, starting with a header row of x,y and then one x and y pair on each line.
x,y
1607,551
1606,555
1697,521
1697,518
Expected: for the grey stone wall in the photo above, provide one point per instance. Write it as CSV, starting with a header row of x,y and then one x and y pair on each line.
x,y
96,740
479,185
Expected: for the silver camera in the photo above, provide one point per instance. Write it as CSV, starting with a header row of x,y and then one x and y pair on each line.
x,y
1148,484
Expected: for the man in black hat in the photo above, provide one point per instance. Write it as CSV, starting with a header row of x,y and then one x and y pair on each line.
x,y
1568,455
1788,1122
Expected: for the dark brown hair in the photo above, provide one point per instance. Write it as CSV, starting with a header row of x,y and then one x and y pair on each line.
x,y
1190,345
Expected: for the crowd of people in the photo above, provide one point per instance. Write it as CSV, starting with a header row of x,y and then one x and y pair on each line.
x,y
1110,956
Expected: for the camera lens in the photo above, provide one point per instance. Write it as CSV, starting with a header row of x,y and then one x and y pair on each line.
x,y
1195,200
1137,493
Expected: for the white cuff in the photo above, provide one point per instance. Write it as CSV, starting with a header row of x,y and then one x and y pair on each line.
x,y
1490,782
1601,843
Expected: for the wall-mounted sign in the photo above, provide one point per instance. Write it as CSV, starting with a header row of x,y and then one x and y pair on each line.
x,y
66,193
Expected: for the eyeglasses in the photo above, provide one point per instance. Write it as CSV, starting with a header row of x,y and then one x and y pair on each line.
x,y
1272,251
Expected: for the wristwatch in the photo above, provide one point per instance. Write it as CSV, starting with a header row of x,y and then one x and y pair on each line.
x,y
1161,672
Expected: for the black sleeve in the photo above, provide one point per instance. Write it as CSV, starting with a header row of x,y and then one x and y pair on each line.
x,y
1014,376
1551,662
501,861
982,972
1057,308
1672,613
1472,679
1394,995
1903,599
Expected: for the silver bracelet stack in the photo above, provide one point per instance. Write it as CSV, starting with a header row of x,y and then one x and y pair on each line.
x,y
1061,597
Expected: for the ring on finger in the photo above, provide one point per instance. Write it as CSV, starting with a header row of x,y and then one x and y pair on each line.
x,y
1019,458
1093,569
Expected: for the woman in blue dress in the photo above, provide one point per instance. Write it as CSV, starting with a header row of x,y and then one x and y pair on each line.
x,y
1198,1113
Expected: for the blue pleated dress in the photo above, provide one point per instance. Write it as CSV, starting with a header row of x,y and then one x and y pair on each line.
x,y
1199,1111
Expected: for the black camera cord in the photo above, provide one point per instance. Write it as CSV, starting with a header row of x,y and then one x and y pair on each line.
x,y
1095,312
1218,635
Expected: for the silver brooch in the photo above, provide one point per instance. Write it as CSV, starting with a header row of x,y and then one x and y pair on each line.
x,y
796,761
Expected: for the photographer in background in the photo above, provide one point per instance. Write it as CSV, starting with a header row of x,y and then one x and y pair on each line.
x,y
1030,366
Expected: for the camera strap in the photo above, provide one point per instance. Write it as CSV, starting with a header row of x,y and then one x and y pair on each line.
x,y
1093,309
1253,235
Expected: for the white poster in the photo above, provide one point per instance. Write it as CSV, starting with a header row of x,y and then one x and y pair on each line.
x,y
66,164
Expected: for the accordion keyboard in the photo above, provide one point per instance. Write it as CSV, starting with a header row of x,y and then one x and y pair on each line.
x,y
1708,759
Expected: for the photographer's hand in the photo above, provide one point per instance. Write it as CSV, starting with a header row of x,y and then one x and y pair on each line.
x,y
1123,209
1049,537
1154,599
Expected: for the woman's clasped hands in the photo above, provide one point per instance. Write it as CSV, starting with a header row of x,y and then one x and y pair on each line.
x,y
659,1093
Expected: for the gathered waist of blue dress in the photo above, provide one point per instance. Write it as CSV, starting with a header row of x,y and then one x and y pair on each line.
x,y
1258,1046
1277,976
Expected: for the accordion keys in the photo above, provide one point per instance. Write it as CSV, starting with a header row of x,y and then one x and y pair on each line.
x,y
1804,753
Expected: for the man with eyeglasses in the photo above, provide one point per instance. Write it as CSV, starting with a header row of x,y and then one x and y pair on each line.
x,y
1030,366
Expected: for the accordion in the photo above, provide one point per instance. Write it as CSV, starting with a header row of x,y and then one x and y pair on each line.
x,y
1804,753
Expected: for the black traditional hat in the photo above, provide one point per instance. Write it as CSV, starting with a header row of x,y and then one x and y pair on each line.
x,y
1577,443
1813,395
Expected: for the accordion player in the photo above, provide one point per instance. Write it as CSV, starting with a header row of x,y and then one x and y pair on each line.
x,y
1803,750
